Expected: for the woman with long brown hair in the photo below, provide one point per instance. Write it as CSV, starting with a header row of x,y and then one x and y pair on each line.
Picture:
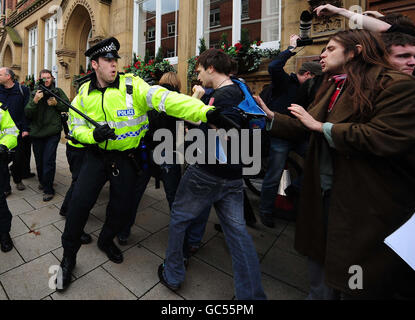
x,y
359,173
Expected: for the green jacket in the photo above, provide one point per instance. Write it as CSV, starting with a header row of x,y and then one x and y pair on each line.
x,y
126,113
45,121
8,130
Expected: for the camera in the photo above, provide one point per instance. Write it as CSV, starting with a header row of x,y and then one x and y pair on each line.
x,y
305,29
46,93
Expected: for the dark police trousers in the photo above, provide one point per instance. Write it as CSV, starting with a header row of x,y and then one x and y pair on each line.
x,y
75,157
5,215
98,168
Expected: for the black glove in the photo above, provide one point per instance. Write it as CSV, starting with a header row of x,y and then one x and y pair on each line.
x,y
104,133
4,152
216,118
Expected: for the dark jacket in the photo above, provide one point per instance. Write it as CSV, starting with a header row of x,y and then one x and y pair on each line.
x,y
307,91
45,121
373,185
284,86
16,102
227,97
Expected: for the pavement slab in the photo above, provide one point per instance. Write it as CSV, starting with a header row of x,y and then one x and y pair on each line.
x,y
10,260
41,217
287,267
31,280
138,272
18,228
160,292
96,285
39,242
152,220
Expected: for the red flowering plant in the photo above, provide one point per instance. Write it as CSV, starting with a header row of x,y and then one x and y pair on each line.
x,y
248,55
150,70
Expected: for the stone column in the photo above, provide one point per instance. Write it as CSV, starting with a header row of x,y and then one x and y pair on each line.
x,y
187,38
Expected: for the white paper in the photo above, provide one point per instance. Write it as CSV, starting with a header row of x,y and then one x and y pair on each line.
x,y
402,241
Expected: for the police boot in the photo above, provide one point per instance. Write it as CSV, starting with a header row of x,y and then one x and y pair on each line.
x,y
6,242
65,273
112,251
86,238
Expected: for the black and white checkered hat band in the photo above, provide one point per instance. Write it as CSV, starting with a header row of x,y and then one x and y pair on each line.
x,y
108,48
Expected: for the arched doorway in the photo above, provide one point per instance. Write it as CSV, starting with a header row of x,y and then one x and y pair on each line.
x,y
76,35
8,57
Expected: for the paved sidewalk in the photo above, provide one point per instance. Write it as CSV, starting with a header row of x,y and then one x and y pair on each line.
x,y
37,228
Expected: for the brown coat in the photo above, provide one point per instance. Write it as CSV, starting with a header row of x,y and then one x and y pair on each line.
x,y
373,184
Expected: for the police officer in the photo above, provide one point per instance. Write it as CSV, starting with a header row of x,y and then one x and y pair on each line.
x,y
75,153
118,102
8,140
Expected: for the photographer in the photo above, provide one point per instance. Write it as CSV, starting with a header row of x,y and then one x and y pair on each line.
x,y
44,113
284,88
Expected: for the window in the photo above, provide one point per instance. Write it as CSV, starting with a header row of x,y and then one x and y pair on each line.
x,y
171,29
228,17
273,6
32,61
245,9
50,46
155,25
151,33
214,17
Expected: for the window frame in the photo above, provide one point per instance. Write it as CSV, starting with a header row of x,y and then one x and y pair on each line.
x,y
158,27
236,24
173,26
32,48
51,35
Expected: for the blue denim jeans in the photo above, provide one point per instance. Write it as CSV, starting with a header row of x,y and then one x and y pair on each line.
x,y
197,191
171,175
278,154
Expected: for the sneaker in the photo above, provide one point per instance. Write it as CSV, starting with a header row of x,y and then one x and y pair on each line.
x,y
164,281
47,197
20,186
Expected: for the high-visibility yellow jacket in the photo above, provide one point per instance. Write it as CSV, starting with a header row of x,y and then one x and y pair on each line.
x,y
126,111
8,130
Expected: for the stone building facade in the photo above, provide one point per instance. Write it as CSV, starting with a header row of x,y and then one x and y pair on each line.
x,y
54,34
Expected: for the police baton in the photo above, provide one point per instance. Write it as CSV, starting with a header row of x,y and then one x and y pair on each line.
x,y
83,115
